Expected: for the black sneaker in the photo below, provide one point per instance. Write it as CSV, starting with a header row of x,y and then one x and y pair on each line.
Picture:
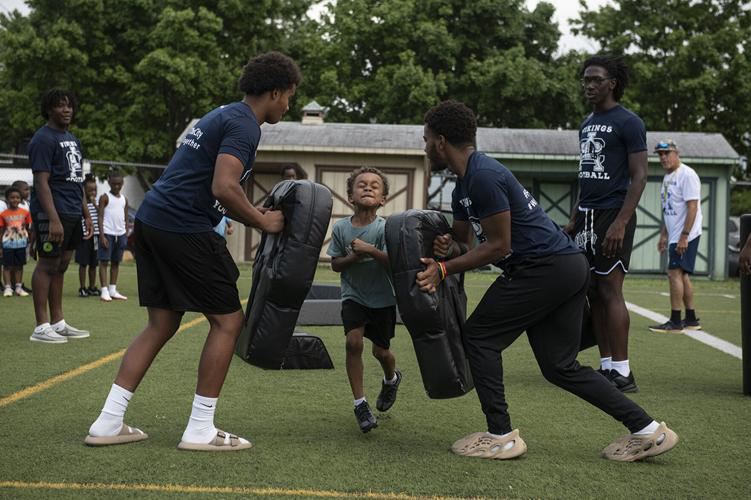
x,y
93,291
365,417
604,373
82,292
623,384
692,325
387,397
667,327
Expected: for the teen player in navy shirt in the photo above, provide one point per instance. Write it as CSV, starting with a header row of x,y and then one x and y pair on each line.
x,y
612,177
183,265
57,205
541,291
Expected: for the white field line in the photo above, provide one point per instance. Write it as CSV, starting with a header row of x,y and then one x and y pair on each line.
x,y
701,336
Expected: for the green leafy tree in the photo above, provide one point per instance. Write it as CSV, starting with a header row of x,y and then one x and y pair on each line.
x,y
141,69
389,60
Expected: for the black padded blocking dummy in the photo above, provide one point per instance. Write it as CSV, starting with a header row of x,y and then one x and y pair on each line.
x,y
434,321
306,352
283,271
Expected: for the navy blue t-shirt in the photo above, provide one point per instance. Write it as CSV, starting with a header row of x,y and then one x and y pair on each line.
x,y
59,153
605,141
489,188
181,200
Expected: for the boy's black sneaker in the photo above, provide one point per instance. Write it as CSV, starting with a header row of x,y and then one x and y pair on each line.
x,y
93,291
387,397
667,327
604,373
365,417
82,292
692,325
623,384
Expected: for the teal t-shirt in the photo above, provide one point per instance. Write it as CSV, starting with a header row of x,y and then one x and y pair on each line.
x,y
366,282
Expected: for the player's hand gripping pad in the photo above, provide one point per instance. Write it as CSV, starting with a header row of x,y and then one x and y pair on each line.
x,y
434,320
283,271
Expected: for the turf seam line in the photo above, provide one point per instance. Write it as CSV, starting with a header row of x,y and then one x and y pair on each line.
x,y
63,377
698,335
236,490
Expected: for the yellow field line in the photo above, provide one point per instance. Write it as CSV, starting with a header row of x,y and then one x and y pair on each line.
x,y
223,490
59,379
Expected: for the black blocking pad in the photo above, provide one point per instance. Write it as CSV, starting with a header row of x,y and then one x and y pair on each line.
x,y
434,321
283,271
306,352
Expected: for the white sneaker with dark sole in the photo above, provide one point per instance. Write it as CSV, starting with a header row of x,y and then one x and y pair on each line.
x,y
48,336
73,333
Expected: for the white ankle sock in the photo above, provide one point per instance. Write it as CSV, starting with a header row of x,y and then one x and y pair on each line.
x,y
392,381
111,288
650,429
622,367
110,421
59,325
508,445
40,328
360,401
200,427
606,363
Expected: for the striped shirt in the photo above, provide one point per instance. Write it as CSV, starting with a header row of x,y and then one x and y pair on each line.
x,y
94,218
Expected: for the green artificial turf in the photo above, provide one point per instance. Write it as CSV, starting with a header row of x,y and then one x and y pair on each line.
x,y
307,442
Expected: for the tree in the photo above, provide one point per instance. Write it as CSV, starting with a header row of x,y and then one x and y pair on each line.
x,y
390,60
689,60
141,69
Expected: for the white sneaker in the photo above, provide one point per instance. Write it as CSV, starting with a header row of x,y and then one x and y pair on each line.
x,y
21,292
73,333
8,292
105,295
48,336
118,296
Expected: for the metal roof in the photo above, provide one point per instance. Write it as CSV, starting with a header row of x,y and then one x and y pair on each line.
x,y
521,143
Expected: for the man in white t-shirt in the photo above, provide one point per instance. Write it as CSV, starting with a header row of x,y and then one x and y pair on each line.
x,y
679,235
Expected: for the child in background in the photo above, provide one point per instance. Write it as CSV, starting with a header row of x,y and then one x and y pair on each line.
x,y
3,206
357,251
25,189
14,232
86,251
224,228
113,238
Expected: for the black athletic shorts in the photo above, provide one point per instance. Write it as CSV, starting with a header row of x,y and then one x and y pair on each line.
x,y
379,322
14,257
590,227
72,234
185,271
86,252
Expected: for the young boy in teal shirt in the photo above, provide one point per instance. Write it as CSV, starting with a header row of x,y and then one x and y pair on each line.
x,y
357,251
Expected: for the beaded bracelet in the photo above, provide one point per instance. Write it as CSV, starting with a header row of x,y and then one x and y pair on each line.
x,y
442,268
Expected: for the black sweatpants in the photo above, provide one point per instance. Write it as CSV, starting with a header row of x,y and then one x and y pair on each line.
x,y
544,296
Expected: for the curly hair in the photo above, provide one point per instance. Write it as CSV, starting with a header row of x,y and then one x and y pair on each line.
x,y
616,68
454,121
367,170
299,171
11,190
54,97
270,71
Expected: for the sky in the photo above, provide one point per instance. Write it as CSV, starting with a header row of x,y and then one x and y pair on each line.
x,y
565,9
